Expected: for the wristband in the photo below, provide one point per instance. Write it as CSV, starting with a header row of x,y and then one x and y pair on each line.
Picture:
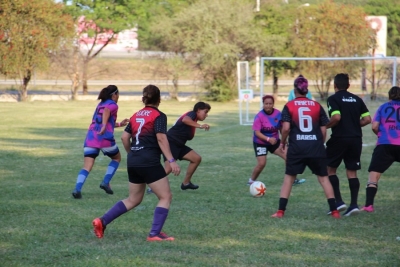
x,y
267,139
171,160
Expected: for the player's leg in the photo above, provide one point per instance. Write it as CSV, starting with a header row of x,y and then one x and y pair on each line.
x,y
137,187
90,155
261,152
194,161
115,155
352,161
334,151
162,190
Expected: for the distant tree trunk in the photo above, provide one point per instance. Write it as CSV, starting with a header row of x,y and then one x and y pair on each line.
x,y
173,94
84,77
275,86
373,91
23,94
363,81
75,75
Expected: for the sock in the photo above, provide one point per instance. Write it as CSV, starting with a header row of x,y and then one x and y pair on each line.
x,y
354,185
80,180
283,203
117,210
336,190
112,168
160,215
371,192
332,204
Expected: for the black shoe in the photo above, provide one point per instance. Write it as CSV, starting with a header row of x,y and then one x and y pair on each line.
x,y
149,191
189,186
352,210
107,188
77,194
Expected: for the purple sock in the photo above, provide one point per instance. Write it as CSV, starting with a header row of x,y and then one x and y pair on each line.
x,y
116,211
160,215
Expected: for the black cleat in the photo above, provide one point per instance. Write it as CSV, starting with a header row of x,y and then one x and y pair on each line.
x,y
107,188
77,194
189,186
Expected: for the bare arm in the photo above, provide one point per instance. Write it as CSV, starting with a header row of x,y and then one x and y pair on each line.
x,y
375,127
188,121
164,146
105,117
285,132
323,130
365,120
126,141
333,121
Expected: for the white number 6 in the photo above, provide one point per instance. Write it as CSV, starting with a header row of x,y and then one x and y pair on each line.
x,y
305,120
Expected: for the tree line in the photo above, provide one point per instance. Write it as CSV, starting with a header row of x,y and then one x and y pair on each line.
x,y
208,36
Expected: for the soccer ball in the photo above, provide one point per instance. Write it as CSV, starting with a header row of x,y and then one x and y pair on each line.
x,y
257,189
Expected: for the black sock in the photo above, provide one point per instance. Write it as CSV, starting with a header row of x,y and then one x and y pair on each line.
x,y
354,185
332,204
283,203
371,192
336,190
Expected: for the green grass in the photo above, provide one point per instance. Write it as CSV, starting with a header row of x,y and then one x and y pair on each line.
x,y
218,225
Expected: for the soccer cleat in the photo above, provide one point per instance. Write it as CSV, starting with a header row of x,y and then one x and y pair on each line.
x,y
98,227
149,191
250,181
340,207
107,188
160,237
297,181
352,210
278,214
369,208
335,214
189,186
76,194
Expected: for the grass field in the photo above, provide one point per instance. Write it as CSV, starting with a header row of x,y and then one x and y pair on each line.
x,y
218,225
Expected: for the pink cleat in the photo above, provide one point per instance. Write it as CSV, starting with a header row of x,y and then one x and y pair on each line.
x,y
369,208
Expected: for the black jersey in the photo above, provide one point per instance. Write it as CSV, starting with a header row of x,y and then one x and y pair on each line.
x,y
143,126
351,108
305,137
180,132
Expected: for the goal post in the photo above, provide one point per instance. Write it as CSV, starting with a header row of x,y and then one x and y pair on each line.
x,y
263,59
245,93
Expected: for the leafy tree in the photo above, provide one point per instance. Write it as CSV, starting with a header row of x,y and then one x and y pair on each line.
x,y
100,21
214,35
29,32
331,30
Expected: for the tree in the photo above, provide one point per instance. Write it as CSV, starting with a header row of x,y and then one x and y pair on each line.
x,y
214,35
29,32
98,23
331,30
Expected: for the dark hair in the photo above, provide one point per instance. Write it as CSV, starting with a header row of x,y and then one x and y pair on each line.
x,y
394,93
151,95
341,81
107,93
301,85
270,97
201,105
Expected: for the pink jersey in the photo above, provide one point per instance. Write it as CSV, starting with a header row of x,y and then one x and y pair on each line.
x,y
268,125
93,139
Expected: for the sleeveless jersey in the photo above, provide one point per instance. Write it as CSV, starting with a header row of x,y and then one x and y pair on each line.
x,y
268,125
388,116
93,139
180,132
305,137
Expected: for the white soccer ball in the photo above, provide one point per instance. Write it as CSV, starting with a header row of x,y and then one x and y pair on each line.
x,y
257,189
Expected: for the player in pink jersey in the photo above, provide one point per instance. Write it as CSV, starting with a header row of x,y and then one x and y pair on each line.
x,y
386,125
266,126
100,136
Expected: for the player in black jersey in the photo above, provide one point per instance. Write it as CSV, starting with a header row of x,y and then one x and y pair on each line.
x,y
144,140
303,121
348,114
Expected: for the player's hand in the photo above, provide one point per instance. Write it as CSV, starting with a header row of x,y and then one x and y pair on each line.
x,y
205,127
176,170
272,140
102,130
124,122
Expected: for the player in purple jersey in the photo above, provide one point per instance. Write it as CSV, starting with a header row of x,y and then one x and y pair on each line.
x,y
100,137
386,125
266,126
144,140
303,121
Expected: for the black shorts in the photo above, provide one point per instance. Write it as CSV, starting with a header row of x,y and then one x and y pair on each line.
x,y
262,150
146,175
383,157
178,151
346,149
296,166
